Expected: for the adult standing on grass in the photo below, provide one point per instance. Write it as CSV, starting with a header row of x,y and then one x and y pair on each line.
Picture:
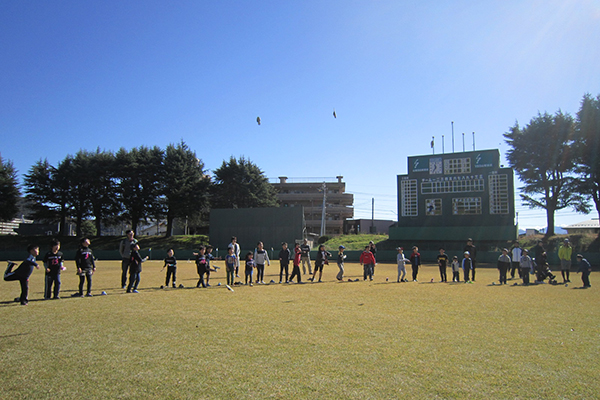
x,y
125,250
373,249
284,262
236,252
515,253
442,260
504,264
472,256
538,250
565,252
305,256
585,268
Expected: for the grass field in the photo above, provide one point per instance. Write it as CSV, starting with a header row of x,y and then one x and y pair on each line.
x,y
360,340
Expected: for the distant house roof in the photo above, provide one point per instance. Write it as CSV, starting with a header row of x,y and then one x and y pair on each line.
x,y
593,223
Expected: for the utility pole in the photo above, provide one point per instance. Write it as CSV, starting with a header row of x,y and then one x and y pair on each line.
x,y
324,189
372,215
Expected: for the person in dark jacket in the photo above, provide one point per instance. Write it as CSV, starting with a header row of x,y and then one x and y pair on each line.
x,y
23,272
585,268
504,265
84,260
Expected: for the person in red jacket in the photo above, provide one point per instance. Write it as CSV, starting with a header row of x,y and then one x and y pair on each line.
x,y
367,260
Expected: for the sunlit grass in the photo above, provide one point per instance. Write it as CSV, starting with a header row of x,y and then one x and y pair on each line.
x,y
330,340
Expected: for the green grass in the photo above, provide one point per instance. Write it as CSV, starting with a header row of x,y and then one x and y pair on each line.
x,y
363,340
353,242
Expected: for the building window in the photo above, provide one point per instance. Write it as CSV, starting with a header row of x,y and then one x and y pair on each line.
x,y
466,205
457,166
433,207
409,197
499,196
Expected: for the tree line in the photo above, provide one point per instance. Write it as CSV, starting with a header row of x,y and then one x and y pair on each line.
x,y
557,157
134,185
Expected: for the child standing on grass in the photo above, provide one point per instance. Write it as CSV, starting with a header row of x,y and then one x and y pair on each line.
x,y
230,264
321,260
296,263
526,265
367,260
23,272
467,266
504,265
415,261
201,266
249,267
402,261
84,260
135,269
455,269
284,261
53,263
340,262
210,257
171,265
260,257
442,260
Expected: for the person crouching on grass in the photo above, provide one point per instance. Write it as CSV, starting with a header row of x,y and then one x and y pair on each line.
x,y
23,272
84,260
367,260
585,268
321,260
135,269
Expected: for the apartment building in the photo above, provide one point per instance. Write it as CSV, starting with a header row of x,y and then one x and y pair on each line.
x,y
309,193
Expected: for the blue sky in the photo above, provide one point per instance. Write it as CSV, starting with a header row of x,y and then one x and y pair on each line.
x,y
110,74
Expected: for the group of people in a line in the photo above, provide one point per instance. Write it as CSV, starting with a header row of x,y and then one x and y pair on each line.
x,y
515,260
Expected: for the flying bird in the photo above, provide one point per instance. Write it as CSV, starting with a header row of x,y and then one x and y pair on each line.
x,y
334,114
258,120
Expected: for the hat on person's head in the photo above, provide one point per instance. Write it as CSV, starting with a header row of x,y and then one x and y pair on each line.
x,y
455,257
566,239
525,251
341,247
414,247
506,250
469,240
399,248
467,253
371,242
579,256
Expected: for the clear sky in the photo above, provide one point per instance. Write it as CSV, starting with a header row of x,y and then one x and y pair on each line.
x,y
110,74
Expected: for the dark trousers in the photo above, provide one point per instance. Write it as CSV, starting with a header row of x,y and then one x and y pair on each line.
x,y
415,272
443,276
466,273
248,274
201,279
82,278
24,285
455,276
503,271
525,275
260,272
368,271
52,279
585,278
565,274
124,268
134,281
296,272
283,267
515,266
171,271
